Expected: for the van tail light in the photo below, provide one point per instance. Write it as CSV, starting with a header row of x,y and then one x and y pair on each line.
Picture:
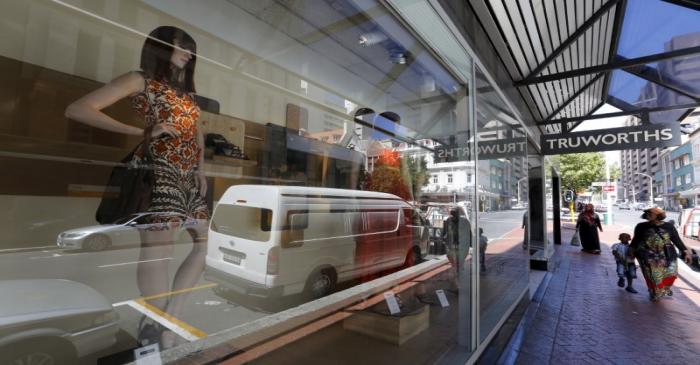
x,y
273,257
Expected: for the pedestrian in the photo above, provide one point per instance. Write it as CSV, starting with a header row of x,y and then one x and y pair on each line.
x,y
483,243
457,233
653,247
625,262
526,235
588,225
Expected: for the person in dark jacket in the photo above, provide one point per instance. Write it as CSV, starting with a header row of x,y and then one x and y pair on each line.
x,y
457,235
588,225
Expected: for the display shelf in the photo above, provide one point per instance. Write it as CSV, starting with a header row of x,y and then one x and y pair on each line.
x,y
231,161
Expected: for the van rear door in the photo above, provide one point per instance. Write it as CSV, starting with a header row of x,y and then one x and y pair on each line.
x,y
240,239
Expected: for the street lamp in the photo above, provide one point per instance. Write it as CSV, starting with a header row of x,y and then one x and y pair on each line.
x,y
633,193
651,185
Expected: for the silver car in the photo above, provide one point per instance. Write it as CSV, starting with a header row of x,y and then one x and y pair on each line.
x,y
52,321
126,231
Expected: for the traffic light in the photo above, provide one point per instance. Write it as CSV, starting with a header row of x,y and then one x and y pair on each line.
x,y
568,196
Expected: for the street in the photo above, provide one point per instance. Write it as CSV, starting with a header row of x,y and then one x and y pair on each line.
x,y
207,308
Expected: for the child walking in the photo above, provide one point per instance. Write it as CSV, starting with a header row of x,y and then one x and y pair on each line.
x,y
625,262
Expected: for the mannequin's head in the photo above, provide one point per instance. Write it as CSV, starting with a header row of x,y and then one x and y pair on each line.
x,y
170,54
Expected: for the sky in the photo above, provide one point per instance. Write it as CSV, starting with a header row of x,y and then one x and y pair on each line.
x,y
606,123
648,25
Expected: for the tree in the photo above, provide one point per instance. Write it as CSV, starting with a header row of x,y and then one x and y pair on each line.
x,y
579,170
386,176
416,170
615,172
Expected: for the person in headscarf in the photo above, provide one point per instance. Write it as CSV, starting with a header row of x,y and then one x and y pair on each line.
x,y
588,225
652,245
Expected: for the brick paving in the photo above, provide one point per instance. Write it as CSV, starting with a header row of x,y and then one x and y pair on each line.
x,y
585,318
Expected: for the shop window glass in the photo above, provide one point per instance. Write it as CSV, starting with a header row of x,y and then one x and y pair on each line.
x,y
503,199
284,157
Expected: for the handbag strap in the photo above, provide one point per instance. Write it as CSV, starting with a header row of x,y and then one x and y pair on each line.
x,y
147,131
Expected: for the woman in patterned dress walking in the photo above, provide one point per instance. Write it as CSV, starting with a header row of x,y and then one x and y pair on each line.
x,y
653,246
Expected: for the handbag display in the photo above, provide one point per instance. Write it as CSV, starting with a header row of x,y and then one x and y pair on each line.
x,y
133,180
134,185
576,239
223,147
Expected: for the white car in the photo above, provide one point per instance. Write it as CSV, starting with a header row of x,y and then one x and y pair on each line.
x,y
51,321
126,231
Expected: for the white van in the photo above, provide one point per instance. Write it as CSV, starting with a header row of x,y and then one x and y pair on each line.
x,y
278,240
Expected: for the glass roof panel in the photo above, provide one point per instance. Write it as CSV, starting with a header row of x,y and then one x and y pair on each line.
x,y
640,93
656,26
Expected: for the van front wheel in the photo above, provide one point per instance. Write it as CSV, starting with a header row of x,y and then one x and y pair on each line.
x,y
321,283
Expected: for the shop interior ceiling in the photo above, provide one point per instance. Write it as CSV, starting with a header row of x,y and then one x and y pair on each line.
x,y
563,55
396,64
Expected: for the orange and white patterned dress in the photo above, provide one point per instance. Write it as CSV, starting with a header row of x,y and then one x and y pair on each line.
x,y
175,159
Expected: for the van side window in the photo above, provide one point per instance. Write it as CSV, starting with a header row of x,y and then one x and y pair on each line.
x,y
382,221
240,221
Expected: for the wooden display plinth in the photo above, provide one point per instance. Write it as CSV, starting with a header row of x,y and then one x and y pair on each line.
x,y
396,330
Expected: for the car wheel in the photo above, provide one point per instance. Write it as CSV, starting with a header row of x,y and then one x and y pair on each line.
x,y
32,353
97,242
321,283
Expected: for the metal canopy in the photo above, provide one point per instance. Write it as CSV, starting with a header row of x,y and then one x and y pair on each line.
x,y
564,56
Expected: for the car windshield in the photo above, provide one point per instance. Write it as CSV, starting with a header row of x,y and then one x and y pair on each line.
x,y
126,219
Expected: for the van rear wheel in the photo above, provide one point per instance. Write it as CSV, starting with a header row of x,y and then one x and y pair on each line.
x,y
320,283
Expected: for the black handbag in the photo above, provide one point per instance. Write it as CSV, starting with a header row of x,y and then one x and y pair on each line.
x,y
132,180
133,183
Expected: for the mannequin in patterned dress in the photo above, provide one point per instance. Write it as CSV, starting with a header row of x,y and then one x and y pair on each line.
x,y
162,93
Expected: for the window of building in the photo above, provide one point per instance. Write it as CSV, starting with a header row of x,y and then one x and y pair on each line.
x,y
686,160
449,178
688,178
435,179
677,164
679,181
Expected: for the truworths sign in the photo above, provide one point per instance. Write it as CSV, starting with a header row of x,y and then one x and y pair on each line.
x,y
640,136
487,150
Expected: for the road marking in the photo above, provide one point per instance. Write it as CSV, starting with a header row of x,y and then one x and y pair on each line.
x,y
25,249
134,262
46,257
175,292
182,329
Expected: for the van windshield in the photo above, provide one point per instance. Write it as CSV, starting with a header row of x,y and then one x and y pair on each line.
x,y
249,223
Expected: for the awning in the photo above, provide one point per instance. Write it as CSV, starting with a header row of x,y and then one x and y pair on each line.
x,y
568,58
690,192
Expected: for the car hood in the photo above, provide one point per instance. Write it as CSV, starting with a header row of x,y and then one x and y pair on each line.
x,y
92,229
31,299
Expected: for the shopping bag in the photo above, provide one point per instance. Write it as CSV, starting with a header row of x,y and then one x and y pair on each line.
x,y
575,239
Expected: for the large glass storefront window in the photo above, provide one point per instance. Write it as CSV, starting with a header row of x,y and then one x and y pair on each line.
x,y
503,201
245,179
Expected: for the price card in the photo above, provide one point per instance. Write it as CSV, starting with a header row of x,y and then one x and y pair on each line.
x,y
443,299
391,302
148,355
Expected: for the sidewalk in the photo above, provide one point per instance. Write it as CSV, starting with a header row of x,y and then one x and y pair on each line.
x,y
585,318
